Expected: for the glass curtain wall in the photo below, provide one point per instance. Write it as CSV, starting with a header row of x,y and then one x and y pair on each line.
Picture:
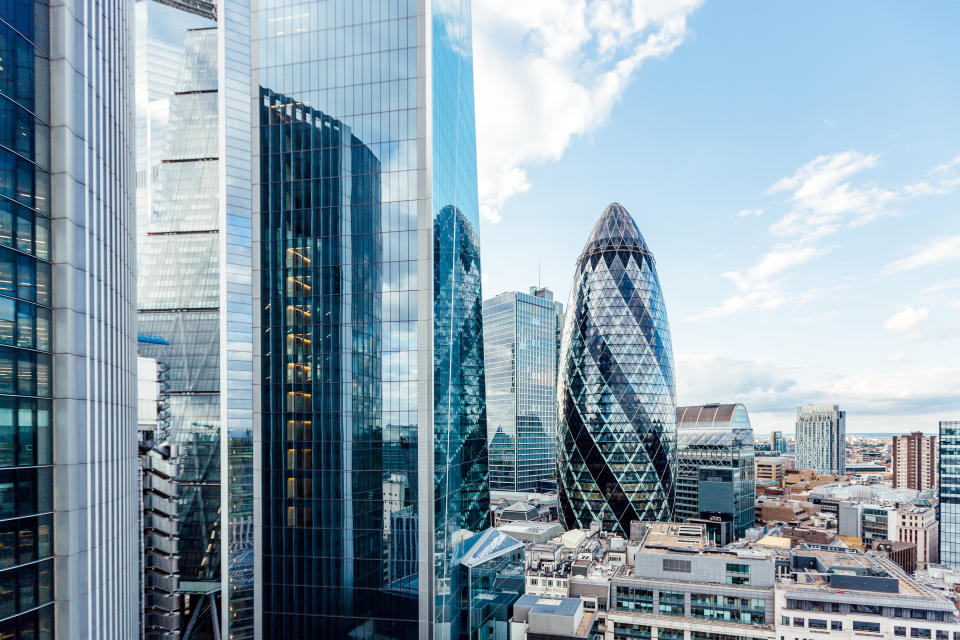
x,y
26,472
371,388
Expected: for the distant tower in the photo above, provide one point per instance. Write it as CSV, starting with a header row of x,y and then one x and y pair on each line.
x,y
520,355
949,491
915,460
616,453
821,439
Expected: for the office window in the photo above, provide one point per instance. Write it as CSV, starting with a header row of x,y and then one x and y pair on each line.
x,y
873,627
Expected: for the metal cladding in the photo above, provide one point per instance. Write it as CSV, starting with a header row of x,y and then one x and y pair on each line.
x,y
616,457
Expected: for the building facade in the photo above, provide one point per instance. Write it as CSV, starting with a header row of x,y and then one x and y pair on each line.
x,y
919,525
916,460
821,439
68,457
715,466
616,397
520,357
369,357
195,266
950,493
778,443
771,471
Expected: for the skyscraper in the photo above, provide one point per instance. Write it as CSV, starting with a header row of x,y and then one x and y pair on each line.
x,y
195,285
915,461
950,493
368,275
520,355
617,435
778,444
68,471
821,439
715,466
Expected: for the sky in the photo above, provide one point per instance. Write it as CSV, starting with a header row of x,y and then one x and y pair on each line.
x,y
794,167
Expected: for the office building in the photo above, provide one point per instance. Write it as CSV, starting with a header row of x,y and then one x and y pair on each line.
x,y
715,467
520,359
194,296
778,443
369,355
616,454
950,493
68,445
821,439
771,471
916,459
918,524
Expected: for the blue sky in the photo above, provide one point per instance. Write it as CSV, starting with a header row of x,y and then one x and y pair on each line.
x,y
795,168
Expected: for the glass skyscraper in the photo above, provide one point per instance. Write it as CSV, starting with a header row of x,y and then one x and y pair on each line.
x,y
617,435
520,354
371,452
68,474
950,493
195,260
715,466
822,439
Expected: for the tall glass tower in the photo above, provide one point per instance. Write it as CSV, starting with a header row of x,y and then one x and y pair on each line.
x,y
520,351
371,466
68,470
950,493
822,439
617,433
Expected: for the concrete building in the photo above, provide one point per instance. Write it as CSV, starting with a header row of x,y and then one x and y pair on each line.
x,y
919,525
848,595
916,461
542,618
821,439
771,470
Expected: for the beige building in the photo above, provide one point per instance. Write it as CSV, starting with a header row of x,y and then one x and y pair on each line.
x,y
920,526
771,470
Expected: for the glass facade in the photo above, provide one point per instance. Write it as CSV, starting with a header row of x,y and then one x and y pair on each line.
x,y
26,438
616,452
950,493
179,290
710,439
822,439
371,384
520,355
494,570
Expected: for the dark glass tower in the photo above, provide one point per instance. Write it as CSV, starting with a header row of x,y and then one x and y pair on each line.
x,y
371,468
616,452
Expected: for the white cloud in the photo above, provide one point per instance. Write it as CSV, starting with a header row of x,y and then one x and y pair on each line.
x,y
775,391
549,70
945,249
746,213
824,197
907,319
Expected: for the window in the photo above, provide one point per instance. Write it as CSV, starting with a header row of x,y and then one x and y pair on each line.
x,y
798,622
900,631
836,625
738,568
814,623
676,566
872,627
942,635
919,633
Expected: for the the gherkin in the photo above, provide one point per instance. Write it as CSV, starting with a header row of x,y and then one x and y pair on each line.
x,y
616,454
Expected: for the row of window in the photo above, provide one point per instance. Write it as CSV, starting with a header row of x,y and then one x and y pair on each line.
x,y
25,588
895,612
25,540
25,492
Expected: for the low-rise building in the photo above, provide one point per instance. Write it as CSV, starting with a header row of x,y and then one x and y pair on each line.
x,y
851,595
919,525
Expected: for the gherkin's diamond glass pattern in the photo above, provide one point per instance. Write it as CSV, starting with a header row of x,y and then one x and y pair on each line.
x,y
616,458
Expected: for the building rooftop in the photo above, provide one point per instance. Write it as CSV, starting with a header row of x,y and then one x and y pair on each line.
x,y
671,536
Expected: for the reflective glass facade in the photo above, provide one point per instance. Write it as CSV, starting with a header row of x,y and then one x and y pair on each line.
x,y
179,294
616,451
520,353
370,390
822,439
26,437
950,493
713,438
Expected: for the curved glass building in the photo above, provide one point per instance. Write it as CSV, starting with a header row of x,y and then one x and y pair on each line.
x,y
616,394
715,468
